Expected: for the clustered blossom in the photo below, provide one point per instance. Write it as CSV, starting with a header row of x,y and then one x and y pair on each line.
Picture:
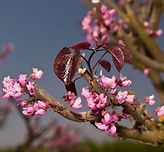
x,y
108,123
100,30
11,88
38,108
100,105
15,88
150,100
150,31
112,83
160,111
73,100
37,74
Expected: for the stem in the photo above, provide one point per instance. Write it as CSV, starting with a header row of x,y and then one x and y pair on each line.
x,y
99,60
88,64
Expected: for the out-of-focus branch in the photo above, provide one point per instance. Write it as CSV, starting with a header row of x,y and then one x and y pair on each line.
x,y
132,21
158,8
145,60
144,10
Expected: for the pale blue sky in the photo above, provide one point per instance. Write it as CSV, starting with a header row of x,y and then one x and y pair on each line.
x,y
39,29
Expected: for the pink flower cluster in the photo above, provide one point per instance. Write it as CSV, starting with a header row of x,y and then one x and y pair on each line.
x,y
11,88
108,123
96,102
15,88
100,105
150,100
160,111
73,100
152,32
112,83
100,30
29,109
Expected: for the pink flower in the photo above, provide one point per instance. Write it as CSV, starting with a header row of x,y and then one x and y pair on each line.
x,y
114,117
77,104
40,112
102,101
121,96
108,82
69,96
97,102
95,29
158,32
124,82
85,93
87,21
109,118
106,118
160,111
37,74
38,108
114,91
40,105
101,126
22,103
22,79
107,123
150,100
29,111
130,99
146,71
103,9
112,130
11,88
146,24
73,100
91,103
31,88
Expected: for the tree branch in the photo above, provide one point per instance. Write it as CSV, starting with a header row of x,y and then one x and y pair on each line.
x,y
59,108
131,20
154,137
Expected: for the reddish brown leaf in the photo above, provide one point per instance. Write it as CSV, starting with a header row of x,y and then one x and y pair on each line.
x,y
105,64
117,55
66,65
81,46
126,52
76,63
62,67
117,64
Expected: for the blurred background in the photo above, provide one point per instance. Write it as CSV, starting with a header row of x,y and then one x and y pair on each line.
x,y
39,29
